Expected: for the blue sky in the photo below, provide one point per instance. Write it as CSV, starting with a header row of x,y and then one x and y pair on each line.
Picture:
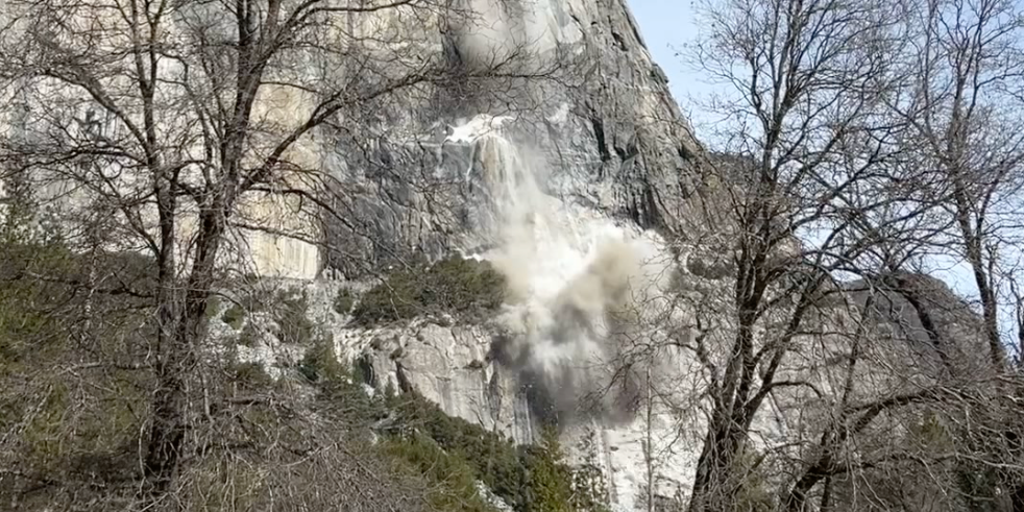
x,y
667,26
664,24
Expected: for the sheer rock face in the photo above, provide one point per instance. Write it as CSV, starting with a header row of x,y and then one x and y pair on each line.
x,y
574,74
457,366
940,333
596,112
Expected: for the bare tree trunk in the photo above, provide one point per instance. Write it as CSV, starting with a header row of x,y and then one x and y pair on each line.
x,y
710,487
649,452
826,496
796,500
981,270
167,431
1017,498
170,415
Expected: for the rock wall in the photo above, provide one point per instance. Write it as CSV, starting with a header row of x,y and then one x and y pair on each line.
x,y
562,172
455,365
575,75
465,368
596,111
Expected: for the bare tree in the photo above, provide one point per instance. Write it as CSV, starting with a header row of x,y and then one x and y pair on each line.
x,y
962,109
812,150
965,123
185,119
847,155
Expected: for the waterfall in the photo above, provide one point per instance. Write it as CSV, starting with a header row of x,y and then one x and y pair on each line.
x,y
585,295
573,275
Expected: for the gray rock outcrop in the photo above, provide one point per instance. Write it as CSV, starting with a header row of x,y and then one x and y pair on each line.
x,y
455,365
597,113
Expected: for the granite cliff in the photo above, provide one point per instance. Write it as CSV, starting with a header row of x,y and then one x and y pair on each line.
x,y
601,124
576,177
549,145
582,172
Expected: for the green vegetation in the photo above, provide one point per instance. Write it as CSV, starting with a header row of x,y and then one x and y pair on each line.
x,y
452,453
753,491
249,375
320,365
588,485
213,305
461,287
267,450
234,316
290,315
250,299
70,404
78,430
417,454
289,310
529,477
931,433
249,336
344,301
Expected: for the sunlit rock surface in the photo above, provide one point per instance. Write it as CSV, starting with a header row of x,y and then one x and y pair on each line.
x,y
597,113
598,331
585,187
587,288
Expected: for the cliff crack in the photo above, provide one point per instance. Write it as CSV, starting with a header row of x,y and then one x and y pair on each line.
x,y
602,144
621,42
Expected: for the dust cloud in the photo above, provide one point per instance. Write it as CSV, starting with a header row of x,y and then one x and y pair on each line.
x,y
582,290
